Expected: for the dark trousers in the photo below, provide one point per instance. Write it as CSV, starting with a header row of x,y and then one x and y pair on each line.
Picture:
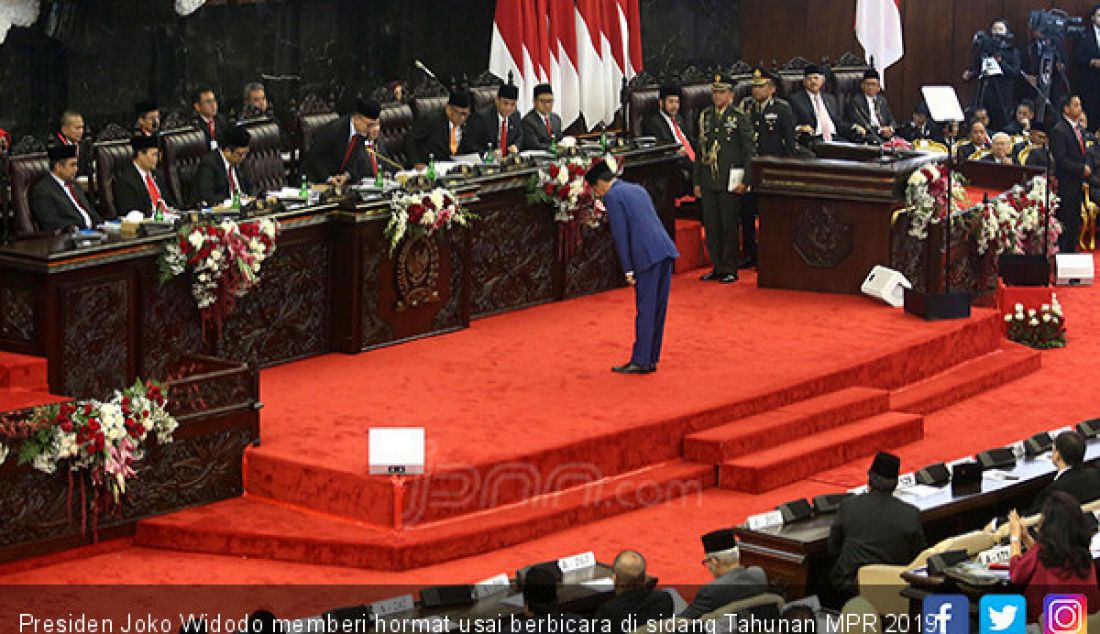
x,y
721,219
651,302
1069,213
749,211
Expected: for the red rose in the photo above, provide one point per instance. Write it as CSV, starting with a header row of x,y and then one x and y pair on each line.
x,y
564,193
553,170
145,414
93,424
99,443
550,189
416,212
134,433
67,427
447,201
427,202
87,409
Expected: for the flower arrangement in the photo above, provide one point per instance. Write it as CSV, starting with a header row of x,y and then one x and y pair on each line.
x,y
1043,328
415,216
98,440
561,185
224,260
926,197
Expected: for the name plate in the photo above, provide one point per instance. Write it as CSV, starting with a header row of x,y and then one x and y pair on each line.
x,y
493,585
995,555
1018,449
906,480
396,605
859,490
577,562
765,520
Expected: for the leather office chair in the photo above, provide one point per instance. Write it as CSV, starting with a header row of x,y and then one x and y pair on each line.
x,y
264,163
484,97
788,83
397,121
424,106
109,156
643,102
845,83
308,125
26,169
180,151
696,98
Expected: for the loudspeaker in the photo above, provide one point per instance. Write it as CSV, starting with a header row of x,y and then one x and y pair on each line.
x,y
997,458
935,306
934,475
966,477
1038,444
395,450
1089,428
1073,269
795,511
1024,270
941,562
886,284
828,503
447,596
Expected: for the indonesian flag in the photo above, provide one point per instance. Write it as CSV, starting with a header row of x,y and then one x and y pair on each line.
x,y
878,29
562,39
507,51
595,93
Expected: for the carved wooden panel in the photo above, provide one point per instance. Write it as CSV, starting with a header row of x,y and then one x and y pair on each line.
x,y
594,266
514,254
94,343
376,330
454,314
821,238
17,313
170,324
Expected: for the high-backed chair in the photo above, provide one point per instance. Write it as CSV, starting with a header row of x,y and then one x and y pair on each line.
x,y
643,102
485,97
788,82
109,156
845,83
264,164
741,88
308,125
181,150
397,121
26,169
696,98
424,106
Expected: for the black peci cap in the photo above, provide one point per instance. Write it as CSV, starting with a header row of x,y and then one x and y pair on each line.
x,y
460,99
670,90
368,109
236,137
142,142
508,91
60,152
719,540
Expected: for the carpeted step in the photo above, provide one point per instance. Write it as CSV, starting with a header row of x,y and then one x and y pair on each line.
x,y
689,242
765,470
967,379
23,371
15,398
778,426
256,527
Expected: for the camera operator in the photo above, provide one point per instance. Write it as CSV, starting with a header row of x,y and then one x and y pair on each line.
x,y
995,63
1087,57
1044,70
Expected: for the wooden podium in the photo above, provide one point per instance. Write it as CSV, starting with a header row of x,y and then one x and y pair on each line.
x,y
826,221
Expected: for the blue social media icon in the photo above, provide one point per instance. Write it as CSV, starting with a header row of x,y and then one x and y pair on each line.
x,y
946,614
1003,614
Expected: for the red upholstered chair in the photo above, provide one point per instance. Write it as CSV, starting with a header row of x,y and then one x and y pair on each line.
x,y
25,170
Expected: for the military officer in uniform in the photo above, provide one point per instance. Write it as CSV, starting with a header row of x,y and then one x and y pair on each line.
x,y
725,144
773,127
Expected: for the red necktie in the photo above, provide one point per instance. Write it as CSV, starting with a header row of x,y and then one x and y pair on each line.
x,y
76,199
1080,139
373,161
154,191
682,139
232,181
504,137
347,153
210,126
549,128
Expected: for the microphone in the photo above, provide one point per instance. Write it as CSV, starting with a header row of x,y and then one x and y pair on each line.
x,y
419,64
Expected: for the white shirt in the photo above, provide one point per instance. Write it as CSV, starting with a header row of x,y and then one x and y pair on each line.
x,y
1060,472
69,194
873,110
823,119
1096,34
142,174
230,168
670,122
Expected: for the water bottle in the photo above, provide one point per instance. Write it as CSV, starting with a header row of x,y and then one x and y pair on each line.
x,y
554,147
489,153
378,180
603,139
304,191
158,213
431,167
237,199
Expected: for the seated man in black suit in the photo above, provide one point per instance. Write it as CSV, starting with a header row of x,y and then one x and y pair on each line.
x,y
979,141
635,602
540,604
1074,476
57,202
1021,124
136,186
1000,150
498,128
874,528
147,118
219,176
870,110
70,131
439,135
338,154
207,118
541,126
817,115
731,582
1033,152
667,126
920,126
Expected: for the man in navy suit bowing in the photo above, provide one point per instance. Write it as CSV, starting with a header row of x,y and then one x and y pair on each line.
x,y
646,254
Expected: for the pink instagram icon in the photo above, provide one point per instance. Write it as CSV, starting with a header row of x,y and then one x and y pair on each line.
x,y
1065,614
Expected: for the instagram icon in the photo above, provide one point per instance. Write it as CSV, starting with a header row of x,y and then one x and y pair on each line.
x,y
1064,614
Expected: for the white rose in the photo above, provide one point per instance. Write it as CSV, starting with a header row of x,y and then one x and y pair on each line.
x,y
437,198
1008,317
1045,308
1033,322
1019,307
428,219
1031,312
1046,318
563,176
195,239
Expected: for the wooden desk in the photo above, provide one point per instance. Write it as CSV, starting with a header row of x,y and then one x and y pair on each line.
x,y
795,555
101,316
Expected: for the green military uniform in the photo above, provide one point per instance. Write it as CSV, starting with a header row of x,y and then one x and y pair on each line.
x,y
725,142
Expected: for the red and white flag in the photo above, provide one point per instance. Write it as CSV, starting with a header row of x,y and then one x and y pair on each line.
x,y
878,29
595,89
562,36
508,52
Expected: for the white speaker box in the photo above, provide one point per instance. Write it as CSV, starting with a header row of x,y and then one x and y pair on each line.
x,y
887,285
396,450
1073,269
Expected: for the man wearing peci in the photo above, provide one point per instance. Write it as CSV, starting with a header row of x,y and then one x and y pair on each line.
x,y
57,202
646,254
219,175
439,134
816,113
136,186
732,581
870,110
667,126
498,128
1067,149
338,153
541,127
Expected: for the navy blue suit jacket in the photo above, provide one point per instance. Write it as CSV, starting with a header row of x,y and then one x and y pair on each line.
x,y
640,239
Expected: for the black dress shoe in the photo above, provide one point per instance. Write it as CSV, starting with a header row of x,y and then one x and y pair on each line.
x,y
631,368
726,279
706,277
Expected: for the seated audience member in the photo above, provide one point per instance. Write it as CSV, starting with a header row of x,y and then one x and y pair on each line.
x,y
1092,160
439,135
498,128
979,141
541,612
207,119
731,582
920,126
136,186
1034,152
255,104
57,202
1074,476
982,115
870,110
635,601
1058,561
874,528
1000,150
1025,115
338,154
666,124
147,118
817,114
71,132
541,126
1083,123
218,176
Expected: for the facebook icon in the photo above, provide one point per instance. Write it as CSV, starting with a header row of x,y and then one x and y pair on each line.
x,y
946,614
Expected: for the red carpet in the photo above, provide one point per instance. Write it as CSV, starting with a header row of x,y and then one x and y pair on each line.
x,y
729,327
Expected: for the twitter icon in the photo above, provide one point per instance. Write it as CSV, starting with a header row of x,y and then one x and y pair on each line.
x,y
1002,614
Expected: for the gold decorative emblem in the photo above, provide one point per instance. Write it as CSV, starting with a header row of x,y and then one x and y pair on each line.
x,y
417,273
717,79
